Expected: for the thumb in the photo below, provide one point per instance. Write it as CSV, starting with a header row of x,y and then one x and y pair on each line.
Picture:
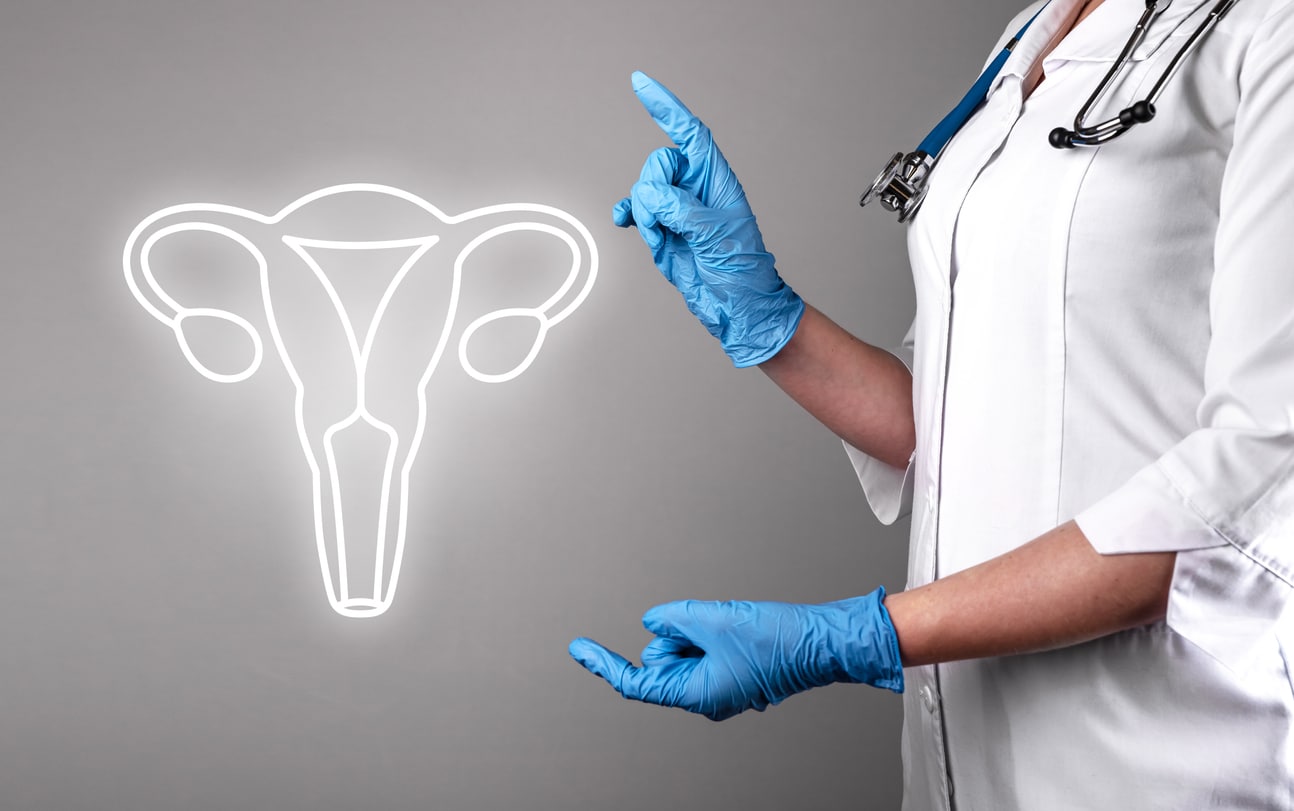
x,y
622,213
668,650
604,662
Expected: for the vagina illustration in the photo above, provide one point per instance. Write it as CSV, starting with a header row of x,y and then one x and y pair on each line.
x,y
361,405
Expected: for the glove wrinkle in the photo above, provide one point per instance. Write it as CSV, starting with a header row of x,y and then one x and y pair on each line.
x,y
692,213
721,659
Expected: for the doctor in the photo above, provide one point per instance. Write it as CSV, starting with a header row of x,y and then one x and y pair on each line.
x,y
1092,421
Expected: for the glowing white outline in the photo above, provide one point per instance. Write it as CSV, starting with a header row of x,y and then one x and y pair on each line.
x,y
346,605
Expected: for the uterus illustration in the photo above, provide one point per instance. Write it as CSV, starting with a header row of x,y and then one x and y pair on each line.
x,y
360,288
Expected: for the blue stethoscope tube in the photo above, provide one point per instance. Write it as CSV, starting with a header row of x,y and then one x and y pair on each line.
x,y
901,186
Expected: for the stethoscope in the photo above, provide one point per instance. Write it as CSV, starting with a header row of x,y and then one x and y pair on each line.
x,y
902,185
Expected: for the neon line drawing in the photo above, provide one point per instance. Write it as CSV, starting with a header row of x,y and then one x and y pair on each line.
x,y
352,599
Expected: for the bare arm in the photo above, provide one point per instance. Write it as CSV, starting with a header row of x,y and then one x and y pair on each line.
x,y
1052,592
862,393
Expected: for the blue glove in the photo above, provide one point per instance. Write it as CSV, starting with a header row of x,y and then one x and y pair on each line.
x,y
719,659
693,214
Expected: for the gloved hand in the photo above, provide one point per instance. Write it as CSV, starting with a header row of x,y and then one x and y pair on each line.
x,y
693,214
719,659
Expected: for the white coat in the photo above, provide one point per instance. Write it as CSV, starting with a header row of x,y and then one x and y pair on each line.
x,y
1107,335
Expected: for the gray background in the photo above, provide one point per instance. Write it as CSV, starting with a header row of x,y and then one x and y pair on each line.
x,y
166,641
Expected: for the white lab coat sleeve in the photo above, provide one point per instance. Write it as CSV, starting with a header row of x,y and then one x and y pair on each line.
x,y
888,489
1223,497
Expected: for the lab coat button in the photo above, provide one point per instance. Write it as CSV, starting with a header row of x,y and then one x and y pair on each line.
x,y
928,698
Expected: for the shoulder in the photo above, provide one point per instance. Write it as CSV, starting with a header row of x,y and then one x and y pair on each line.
x,y
1269,11
1277,24
1257,21
1260,34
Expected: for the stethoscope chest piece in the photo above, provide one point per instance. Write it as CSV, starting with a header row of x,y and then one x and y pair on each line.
x,y
901,185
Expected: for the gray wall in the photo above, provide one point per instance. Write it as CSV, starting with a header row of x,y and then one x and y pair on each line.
x,y
167,643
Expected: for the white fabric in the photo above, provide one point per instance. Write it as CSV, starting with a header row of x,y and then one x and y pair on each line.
x,y
888,489
1108,335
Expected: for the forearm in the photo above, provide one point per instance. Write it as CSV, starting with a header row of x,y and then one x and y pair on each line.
x,y
1052,592
862,393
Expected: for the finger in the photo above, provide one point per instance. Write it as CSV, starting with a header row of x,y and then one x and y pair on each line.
x,y
622,213
664,650
676,620
706,172
665,166
673,117
645,218
603,662
662,167
672,208
655,685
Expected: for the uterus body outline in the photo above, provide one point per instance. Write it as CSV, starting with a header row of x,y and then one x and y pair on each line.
x,y
330,501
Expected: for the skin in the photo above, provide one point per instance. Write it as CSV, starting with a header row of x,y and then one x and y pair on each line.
x,y
1087,9
1052,592
1084,11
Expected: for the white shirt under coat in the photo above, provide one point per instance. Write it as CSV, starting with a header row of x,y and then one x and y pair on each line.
x,y
1107,335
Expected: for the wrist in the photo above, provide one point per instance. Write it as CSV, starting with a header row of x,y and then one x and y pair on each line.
x,y
864,648
760,342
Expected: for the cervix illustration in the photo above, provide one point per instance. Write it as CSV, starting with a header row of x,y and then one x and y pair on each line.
x,y
379,408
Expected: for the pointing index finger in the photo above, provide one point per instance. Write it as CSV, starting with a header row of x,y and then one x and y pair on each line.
x,y
674,118
704,173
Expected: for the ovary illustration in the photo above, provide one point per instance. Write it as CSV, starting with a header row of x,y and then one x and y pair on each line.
x,y
361,403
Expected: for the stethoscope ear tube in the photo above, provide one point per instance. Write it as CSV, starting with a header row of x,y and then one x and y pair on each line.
x,y
1139,113
1143,110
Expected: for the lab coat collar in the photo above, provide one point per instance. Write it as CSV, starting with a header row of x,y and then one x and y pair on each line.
x,y
1101,37
1052,20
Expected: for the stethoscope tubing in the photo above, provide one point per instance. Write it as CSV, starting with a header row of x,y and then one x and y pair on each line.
x,y
948,126
1143,110
901,186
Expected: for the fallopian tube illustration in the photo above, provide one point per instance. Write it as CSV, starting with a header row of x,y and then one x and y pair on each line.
x,y
374,518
